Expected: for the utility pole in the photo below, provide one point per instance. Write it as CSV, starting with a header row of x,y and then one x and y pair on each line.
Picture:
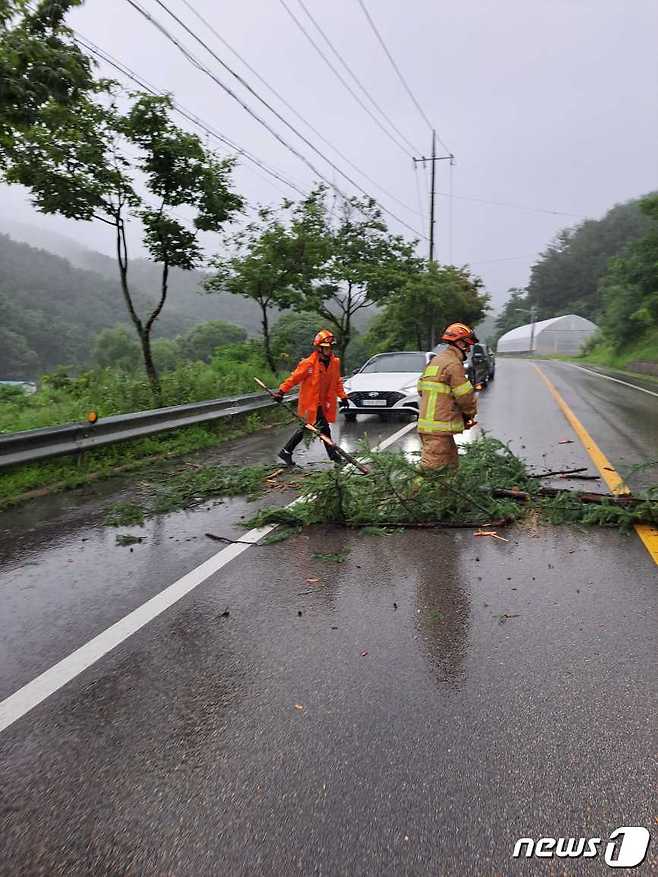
x,y
533,320
532,311
432,195
433,159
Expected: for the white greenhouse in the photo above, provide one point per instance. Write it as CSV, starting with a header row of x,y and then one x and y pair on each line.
x,y
565,334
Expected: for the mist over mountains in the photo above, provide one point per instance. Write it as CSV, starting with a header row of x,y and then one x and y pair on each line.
x,y
55,295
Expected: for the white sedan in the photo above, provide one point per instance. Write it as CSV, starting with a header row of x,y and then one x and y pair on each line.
x,y
386,384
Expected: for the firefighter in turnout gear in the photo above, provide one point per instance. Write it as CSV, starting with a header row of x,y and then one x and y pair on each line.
x,y
321,385
447,399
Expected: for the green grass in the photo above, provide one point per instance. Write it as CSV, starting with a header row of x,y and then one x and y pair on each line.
x,y
187,489
63,399
17,483
646,350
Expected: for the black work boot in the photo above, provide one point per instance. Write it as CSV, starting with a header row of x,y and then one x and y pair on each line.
x,y
286,456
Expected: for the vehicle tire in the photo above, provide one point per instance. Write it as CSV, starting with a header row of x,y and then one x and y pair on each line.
x,y
491,376
350,417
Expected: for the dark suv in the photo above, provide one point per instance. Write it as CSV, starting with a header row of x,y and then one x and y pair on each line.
x,y
480,364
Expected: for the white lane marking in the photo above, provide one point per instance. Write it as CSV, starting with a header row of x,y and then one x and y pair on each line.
x,y
33,693
608,378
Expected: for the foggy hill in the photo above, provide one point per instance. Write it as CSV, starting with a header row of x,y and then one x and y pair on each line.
x,y
187,304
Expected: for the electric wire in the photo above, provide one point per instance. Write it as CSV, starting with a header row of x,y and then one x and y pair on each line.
x,y
511,205
390,57
292,109
355,78
122,68
342,79
200,66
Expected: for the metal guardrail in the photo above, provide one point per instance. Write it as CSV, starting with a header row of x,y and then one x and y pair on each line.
x,y
38,444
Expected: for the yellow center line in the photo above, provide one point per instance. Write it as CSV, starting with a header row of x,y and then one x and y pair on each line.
x,y
647,533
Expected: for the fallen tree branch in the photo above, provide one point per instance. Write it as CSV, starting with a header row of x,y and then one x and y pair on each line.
x,y
557,472
592,498
430,525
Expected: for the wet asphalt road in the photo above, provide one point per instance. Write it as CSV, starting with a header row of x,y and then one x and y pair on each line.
x,y
511,693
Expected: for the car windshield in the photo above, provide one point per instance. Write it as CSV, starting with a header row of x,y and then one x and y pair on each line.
x,y
396,362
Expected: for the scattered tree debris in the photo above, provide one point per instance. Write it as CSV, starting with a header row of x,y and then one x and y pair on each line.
x,y
338,557
491,533
558,472
127,539
491,488
124,514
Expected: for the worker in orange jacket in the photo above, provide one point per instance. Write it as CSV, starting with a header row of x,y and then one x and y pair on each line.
x,y
321,384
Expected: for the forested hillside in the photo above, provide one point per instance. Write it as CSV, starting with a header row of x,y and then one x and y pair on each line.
x,y
600,269
50,310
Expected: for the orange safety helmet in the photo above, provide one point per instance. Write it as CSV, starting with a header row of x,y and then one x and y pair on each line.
x,y
324,336
459,332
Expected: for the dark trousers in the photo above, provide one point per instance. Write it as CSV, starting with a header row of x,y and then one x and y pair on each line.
x,y
322,425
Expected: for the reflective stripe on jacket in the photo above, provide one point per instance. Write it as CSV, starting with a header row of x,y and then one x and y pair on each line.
x,y
446,394
309,374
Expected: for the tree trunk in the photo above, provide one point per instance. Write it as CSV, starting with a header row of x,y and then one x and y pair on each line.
x,y
345,337
143,332
269,356
145,337
149,365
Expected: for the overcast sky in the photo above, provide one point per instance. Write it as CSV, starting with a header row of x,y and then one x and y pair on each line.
x,y
547,104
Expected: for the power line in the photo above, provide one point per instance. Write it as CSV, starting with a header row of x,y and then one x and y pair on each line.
x,y
342,79
511,205
289,106
399,72
187,114
200,66
505,259
349,70
122,68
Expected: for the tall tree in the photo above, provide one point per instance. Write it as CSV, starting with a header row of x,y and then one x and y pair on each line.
x,y
201,341
515,312
630,287
363,263
566,277
430,299
292,337
84,159
273,262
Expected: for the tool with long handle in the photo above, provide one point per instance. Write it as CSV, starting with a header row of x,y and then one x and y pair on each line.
x,y
316,432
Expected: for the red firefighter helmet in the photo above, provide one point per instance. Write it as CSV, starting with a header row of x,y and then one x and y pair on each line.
x,y
459,332
324,336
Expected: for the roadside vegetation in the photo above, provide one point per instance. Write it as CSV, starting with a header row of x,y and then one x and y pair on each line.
x,y
21,483
605,270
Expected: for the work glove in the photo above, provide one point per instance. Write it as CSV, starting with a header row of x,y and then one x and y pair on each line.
x,y
278,396
469,422
343,403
